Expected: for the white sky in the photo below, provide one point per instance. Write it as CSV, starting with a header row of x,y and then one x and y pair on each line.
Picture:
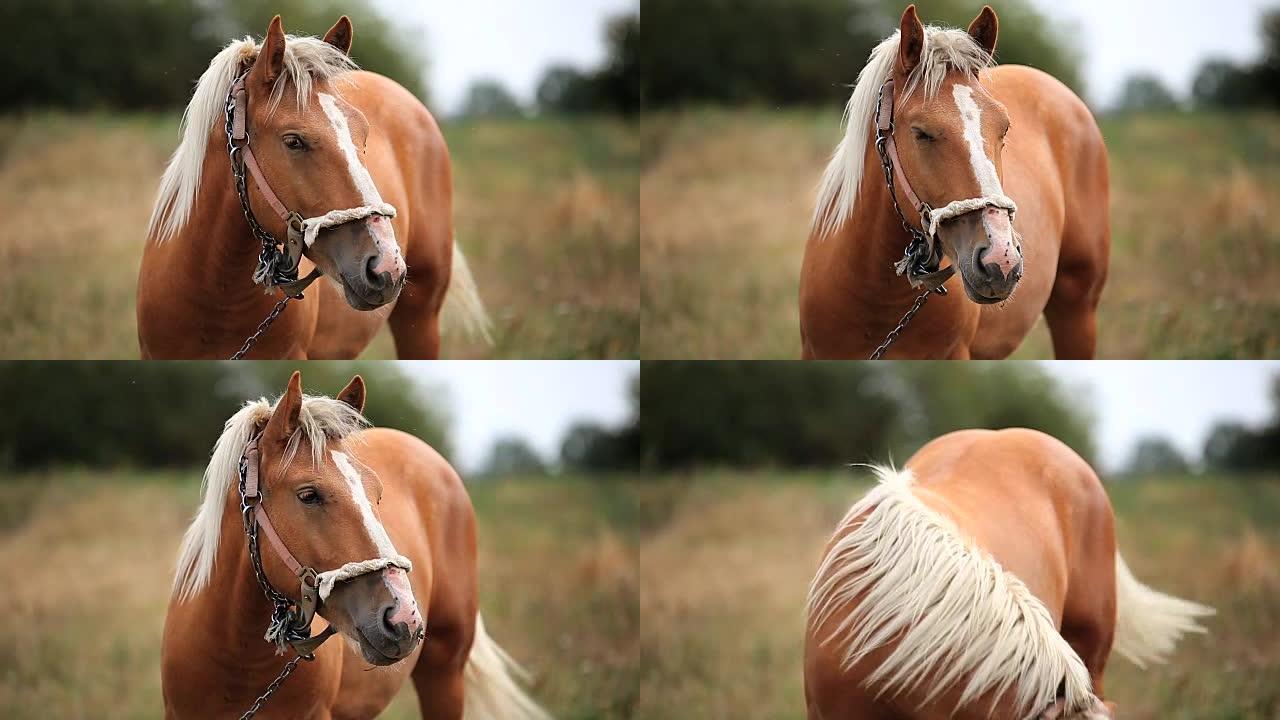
x,y
1180,400
536,400
1169,38
508,40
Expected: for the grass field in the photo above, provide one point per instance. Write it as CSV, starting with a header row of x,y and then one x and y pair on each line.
x,y
87,561
726,559
1195,215
545,210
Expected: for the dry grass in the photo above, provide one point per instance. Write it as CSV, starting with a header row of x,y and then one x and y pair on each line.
x,y
728,556
545,210
88,558
726,197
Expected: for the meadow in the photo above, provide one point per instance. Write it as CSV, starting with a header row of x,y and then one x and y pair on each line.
x,y
726,558
545,211
87,560
1195,202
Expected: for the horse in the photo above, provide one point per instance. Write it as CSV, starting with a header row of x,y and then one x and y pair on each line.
x,y
293,159
953,133
980,581
391,518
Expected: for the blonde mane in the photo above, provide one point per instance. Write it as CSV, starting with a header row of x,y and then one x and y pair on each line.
x,y
320,419
306,59
904,573
945,50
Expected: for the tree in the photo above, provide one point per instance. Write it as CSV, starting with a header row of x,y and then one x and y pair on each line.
x,y
1145,92
1155,455
514,456
1220,83
490,99
564,89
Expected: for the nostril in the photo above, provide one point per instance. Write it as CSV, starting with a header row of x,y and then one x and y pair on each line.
x,y
375,279
387,623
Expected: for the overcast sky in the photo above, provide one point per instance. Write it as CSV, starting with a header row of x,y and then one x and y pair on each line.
x,y
508,40
1179,400
1168,38
535,400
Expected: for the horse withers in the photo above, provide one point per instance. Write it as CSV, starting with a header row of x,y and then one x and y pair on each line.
x,y
1000,171
309,517
980,581
293,162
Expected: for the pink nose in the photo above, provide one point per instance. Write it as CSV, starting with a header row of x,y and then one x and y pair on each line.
x,y
389,259
406,607
1002,252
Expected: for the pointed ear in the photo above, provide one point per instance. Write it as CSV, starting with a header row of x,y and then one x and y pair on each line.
x,y
284,420
985,28
910,40
353,393
340,35
270,62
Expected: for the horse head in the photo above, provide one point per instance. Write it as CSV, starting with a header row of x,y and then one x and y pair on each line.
x,y
949,140
324,508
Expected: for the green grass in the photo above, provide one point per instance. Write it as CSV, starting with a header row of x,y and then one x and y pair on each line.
x,y
726,558
88,556
1195,219
545,210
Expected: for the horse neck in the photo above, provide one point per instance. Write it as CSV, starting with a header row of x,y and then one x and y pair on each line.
x,y
234,615
872,240
219,252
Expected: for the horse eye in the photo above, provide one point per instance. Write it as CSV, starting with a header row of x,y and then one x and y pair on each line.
x,y
309,496
293,142
921,135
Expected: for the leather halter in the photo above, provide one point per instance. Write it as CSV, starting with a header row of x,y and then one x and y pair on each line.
x,y
276,269
291,621
923,256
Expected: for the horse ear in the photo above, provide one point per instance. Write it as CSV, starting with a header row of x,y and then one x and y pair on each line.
x,y
353,393
270,62
910,40
340,35
284,420
985,28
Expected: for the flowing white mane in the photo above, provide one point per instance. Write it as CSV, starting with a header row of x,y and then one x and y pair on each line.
x,y
320,419
306,59
945,50
903,572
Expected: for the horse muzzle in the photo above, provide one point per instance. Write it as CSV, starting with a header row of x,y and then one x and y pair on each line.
x,y
363,257
988,254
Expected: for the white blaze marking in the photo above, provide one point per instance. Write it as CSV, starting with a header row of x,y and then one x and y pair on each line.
x,y
983,169
359,173
383,237
371,524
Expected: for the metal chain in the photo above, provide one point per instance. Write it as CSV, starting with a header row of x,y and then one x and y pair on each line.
x,y
262,327
917,256
272,688
902,324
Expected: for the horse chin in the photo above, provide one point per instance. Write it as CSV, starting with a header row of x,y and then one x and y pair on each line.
x,y
370,301
372,655
980,298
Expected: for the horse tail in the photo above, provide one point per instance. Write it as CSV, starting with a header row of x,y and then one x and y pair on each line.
x,y
902,578
493,680
1148,622
462,304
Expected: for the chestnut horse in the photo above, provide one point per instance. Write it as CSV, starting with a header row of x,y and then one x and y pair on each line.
x,y
287,143
981,581
305,513
945,118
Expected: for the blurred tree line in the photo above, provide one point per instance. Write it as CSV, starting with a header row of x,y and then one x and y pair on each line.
x,y
826,414
1218,83
1235,447
613,87
588,448
810,51
127,54
170,414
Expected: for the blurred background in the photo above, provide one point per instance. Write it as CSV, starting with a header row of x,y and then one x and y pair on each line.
x,y
100,467
534,99
744,101
746,474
